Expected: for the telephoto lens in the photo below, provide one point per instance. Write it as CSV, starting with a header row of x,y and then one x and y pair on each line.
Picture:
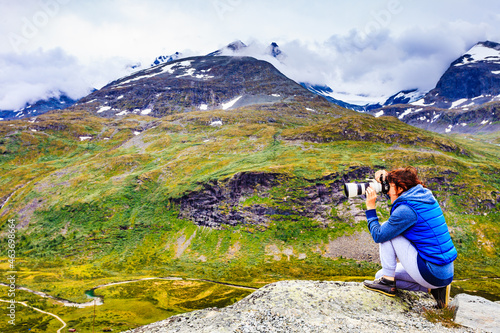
x,y
352,190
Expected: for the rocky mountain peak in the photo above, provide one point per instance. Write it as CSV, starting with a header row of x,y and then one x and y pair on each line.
x,y
194,84
472,79
168,58
229,49
274,51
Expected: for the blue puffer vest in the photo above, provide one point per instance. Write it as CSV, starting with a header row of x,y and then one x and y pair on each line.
x,y
430,234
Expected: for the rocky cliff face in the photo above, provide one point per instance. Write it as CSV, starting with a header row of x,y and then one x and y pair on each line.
x,y
251,198
223,203
311,306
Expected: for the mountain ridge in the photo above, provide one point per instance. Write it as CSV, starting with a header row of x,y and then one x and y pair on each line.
x,y
58,102
465,99
195,83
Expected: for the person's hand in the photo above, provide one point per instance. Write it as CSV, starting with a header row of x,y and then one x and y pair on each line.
x,y
379,173
371,198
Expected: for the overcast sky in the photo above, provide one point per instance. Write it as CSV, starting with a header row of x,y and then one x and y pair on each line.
x,y
373,48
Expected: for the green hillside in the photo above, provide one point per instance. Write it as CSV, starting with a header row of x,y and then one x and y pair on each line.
x,y
252,201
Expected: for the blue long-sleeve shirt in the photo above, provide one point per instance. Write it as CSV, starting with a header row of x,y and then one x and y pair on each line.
x,y
401,219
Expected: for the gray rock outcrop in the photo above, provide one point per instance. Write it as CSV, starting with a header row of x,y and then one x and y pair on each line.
x,y
310,306
474,311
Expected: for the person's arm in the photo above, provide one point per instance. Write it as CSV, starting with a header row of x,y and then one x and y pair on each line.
x,y
400,220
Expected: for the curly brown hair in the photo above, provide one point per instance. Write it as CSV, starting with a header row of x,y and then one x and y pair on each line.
x,y
404,178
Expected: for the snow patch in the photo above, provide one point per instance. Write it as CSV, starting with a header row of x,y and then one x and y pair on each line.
x,y
185,63
168,69
495,72
458,102
84,138
137,78
203,107
379,114
137,133
104,108
216,123
229,104
481,53
124,112
276,95
189,72
420,102
146,111
407,112
120,97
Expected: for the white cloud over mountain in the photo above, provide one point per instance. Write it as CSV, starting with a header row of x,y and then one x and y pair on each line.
x,y
369,48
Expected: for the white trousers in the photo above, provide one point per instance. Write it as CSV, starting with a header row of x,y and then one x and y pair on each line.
x,y
406,271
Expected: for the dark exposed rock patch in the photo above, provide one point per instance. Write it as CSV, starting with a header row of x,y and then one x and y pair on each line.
x,y
229,202
206,207
220,203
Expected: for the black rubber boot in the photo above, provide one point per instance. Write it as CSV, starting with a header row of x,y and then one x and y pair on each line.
x,y
441,295
382,285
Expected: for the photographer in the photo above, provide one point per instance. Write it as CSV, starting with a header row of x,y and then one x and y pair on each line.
x,y
416,234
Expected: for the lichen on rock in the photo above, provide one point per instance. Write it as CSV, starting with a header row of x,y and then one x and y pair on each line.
x,y
310,306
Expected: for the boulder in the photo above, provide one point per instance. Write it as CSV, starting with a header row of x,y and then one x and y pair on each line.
x,y
477,312
310,306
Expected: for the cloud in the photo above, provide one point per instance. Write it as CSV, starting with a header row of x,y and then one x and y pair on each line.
x,y
382,63
29,77
372,48
369,67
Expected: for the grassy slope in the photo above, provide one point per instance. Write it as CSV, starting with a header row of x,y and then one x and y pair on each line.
x,y
97,211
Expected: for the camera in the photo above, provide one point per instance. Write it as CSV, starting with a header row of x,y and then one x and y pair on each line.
x,y
352,190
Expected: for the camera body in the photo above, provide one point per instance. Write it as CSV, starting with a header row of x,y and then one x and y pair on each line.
x,y
352,190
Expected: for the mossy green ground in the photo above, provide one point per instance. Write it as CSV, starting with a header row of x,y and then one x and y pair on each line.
x,y
126,306
103,210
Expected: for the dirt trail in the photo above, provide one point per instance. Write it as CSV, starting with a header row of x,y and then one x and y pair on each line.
x,y
100,301
44,312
